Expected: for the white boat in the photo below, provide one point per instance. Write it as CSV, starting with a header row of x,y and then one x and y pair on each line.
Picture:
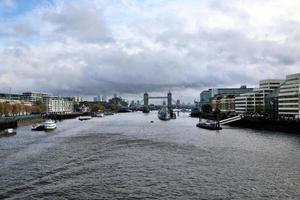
x,y
49,125
209,124
81,118
164,114
8,132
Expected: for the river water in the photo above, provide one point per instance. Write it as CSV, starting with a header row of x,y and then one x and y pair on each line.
x,y
126,157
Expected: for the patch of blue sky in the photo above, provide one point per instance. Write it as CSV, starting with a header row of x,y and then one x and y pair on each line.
x,y
11,9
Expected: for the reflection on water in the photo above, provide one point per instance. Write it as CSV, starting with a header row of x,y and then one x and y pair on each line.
x,y
126,156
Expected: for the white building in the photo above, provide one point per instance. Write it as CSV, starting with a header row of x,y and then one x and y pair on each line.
x,y
59,105
77,99
255,101
289,97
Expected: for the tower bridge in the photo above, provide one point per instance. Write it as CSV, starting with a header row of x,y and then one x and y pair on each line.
x,y
147,97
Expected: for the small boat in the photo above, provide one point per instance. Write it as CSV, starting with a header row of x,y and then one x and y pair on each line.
x,y
8,132
82,118
209,124
164,114
98,115
49,125
37,127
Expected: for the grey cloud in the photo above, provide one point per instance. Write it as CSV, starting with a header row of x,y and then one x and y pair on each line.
x,y
80,21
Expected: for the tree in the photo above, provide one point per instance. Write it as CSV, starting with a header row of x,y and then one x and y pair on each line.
x,y
27,109
7,109
1,108
15,109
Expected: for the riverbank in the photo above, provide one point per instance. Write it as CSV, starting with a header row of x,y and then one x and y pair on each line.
x,y
287,126
14,122
64,116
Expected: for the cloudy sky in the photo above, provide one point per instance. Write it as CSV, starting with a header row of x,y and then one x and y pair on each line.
x,y
89,47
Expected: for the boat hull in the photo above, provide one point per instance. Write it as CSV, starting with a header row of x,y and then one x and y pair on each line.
x,y
199,125
85,118
38,128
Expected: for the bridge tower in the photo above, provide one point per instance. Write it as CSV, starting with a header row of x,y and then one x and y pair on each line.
x,y
146,100
170,101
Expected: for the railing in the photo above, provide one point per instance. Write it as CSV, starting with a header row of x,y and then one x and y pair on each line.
x,y
232,119
21,117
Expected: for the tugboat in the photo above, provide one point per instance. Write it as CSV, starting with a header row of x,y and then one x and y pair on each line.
x,y
209,124
82,118
37,127
164,114
8,132
49,125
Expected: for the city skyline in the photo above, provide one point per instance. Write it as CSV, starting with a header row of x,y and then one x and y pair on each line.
x,y
127,47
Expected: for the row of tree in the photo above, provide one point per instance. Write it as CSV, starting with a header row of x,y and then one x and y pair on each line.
x,y
8,109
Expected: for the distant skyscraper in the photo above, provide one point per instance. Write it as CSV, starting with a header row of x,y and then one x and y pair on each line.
x,y
104,98
178,103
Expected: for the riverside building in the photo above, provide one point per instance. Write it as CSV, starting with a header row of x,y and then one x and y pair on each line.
x,y
207,95
223,103
289,97
256,101
59,105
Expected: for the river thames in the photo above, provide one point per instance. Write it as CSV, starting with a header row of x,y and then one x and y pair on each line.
x,y
124,156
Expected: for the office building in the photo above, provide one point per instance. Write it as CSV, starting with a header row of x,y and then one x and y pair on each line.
x,y
289,98
207,95
34,97
256,101
7,96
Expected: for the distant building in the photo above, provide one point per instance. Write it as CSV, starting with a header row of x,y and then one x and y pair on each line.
x,y
289,97
77,99
207,95
132,104
100,98
7,96
97,99
118,101
34,97
104,98
59,105
178,104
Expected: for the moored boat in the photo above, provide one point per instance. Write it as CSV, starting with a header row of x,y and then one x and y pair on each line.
x,y
8,132
209,124
164,114
49,125
82,118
